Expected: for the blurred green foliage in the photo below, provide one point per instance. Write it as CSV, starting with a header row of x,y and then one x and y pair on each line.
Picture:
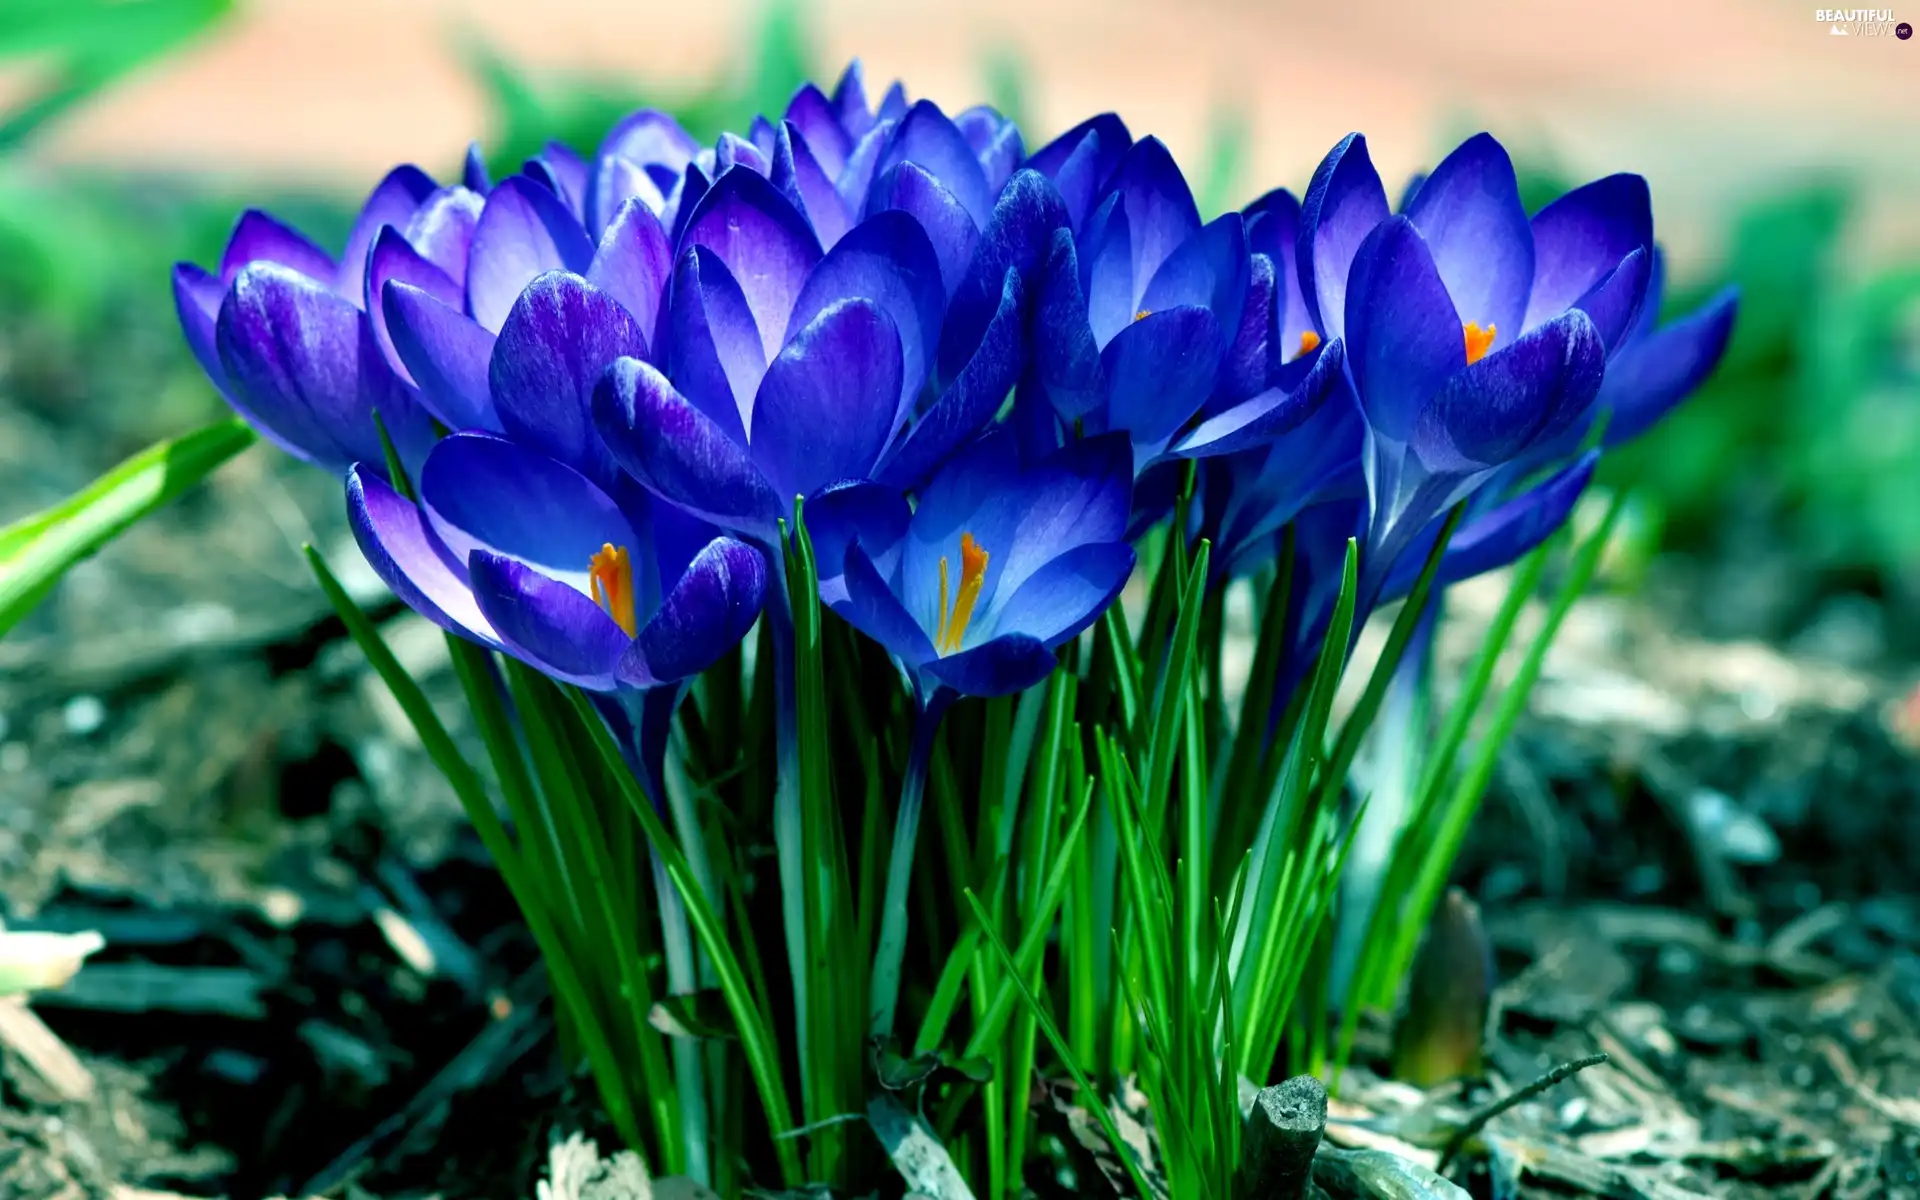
x,y
1812,422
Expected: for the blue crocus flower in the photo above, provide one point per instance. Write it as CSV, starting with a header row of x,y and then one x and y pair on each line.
x,y
1475,337
1153,323
787,368
522,553
997,564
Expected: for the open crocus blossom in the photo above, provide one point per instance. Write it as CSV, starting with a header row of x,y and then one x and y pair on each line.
x,y
520,552
788,368
996,566
1137,306
1474,336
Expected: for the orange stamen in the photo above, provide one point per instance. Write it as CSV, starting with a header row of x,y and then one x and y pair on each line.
x,y
1479,340
1143,314
611,575
973,576
1308,341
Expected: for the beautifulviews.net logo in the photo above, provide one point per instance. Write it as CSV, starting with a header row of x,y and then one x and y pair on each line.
x,y
1862,22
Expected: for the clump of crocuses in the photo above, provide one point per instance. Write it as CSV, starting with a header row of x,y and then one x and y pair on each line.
x,y
595,415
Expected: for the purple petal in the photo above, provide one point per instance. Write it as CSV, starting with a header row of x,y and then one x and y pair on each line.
x,y
1494,410
441,229
801,178
925,136
564,173
872,514
888,260
685,196
393,202
706,614
1018,235
1652,374
763,241
1209,270
1246,367
257,237
394,258
866,602
474,171
971,401
827,406
1106,271
856,179
524,231
812,114
304,368
1404,339
632,263
1614,303
1001,667
1159,206
1344,204
196,300
445,353
616,182
551,627
1067,360
850,101
650,137
404,552
1267,415
1159,370
713,349
1582,236
996,143
679,453
910,188
1082,160
482,492
735,151
1273,229
1081,495
1066,595
556,343
1470,214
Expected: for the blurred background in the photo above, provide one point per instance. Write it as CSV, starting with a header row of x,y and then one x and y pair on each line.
x,y
1782,155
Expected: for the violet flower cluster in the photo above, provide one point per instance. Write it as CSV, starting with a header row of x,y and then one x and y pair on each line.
x,y
607,378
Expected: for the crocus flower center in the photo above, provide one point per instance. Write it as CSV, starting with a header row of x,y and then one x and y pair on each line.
x,y
1479,340
973,575
612,576
1308,341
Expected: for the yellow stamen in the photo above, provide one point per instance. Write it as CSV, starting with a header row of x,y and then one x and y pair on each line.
x,y
611,575
973,576
1479,340
1143,314
1308,341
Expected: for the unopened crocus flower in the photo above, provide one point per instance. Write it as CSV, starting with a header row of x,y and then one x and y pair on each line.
x,y
284,331
520,552
789,368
